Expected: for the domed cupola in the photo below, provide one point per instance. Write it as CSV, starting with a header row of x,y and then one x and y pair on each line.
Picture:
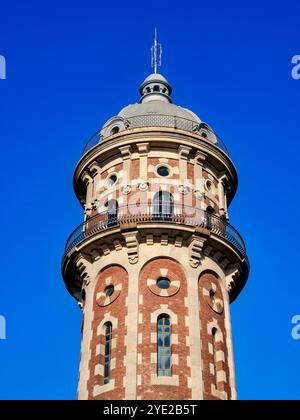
x,y
155,88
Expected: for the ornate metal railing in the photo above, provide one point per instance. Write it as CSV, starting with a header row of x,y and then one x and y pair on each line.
x,y
155,213
158,120
95,139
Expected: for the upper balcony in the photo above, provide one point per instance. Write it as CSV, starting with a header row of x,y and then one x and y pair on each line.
x,y
119,124
158,214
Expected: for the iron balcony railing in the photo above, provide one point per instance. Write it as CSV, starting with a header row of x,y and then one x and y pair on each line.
x,y
159,212
158,120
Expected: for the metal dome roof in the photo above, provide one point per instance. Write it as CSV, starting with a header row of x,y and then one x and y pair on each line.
x,y
155,76
158,107
155,109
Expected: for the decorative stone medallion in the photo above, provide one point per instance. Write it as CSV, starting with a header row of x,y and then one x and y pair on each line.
x,y
126,190
199,195
143,186
168,274
184,190
108,291
213,296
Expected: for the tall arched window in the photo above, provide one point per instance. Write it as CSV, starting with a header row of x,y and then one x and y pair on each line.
x,y
163,205
209,213
163,346
214,333
107,351
112,212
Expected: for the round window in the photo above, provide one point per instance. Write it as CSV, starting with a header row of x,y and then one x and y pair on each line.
x,y
212,295
115,130
109,290
111,180
163,171
163,283
209,185
204,134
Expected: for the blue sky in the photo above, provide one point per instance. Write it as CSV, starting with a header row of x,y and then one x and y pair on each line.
x,y
70,66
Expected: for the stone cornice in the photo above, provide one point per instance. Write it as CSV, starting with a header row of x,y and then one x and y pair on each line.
x,y
199,241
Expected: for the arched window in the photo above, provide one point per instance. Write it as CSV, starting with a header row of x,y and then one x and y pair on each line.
x,y
112,212
107,351
163,205
214,333
115,130
163,346
156,88
209,212
204,134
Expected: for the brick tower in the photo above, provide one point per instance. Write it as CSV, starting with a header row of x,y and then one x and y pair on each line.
x,y
155,264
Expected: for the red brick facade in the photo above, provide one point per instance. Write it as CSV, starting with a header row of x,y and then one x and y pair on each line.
x,y
212,316
116,310
154,302
176,304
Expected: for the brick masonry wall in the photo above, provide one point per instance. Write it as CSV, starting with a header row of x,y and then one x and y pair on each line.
x,y
151,305
215,367
169,184
135,169
154,301
113,310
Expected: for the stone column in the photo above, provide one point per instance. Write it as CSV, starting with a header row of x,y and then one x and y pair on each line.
x,y
222,196
89,185
143,149
95,170
232,380
87,333
126,156
131,323
183,158
198,178
195,357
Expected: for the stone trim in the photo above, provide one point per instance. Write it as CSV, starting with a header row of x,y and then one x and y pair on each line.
x,y
101,298
174,284
219,374
165,380
132,246
195,250
222,395
100,389
107,318
164,310
213,296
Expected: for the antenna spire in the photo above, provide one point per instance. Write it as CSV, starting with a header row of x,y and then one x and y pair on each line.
x,y
156,53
